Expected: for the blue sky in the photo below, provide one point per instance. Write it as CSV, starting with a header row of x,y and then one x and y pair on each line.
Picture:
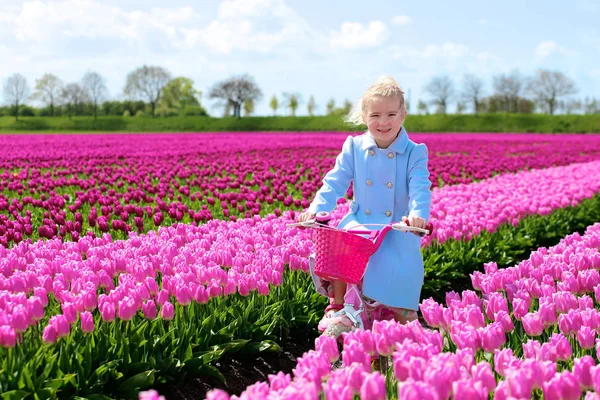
x,y
328,49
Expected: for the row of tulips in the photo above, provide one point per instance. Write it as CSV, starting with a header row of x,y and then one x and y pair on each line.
x,y
215,259
69,186
223,258
531,332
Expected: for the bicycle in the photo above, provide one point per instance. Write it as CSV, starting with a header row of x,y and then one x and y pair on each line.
x,y
342,254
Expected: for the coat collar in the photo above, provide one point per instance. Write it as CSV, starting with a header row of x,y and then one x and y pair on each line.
x,y
399,145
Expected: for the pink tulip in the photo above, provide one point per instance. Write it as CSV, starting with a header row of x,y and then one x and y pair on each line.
x,y
492,337
413,390
183,294
562,346
373,387
62,326
585,337
533,324
520,308
354,352
582,371
149,310
279,381
50,334
87,322
469,390
548,313
328,346
162,297
107,311
35,308
482,372
167,311
20,318
8,336
505,320
150,395
69,312
432,313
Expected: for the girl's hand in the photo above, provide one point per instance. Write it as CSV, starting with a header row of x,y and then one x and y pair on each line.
x,y
305,216
417,222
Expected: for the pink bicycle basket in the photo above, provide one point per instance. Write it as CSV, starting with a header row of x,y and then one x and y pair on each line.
x,y
341,255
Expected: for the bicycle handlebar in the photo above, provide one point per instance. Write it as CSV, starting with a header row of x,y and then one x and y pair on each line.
x,y
399,226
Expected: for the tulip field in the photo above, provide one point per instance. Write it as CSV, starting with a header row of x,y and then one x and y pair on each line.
x,y
130,263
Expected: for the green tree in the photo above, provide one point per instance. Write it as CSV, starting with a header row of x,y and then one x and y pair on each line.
x,y
330,106
292,101
422,107
179,94
274,104
48,89
248,107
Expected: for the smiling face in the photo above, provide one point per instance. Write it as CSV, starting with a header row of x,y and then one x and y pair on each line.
x,y
384,119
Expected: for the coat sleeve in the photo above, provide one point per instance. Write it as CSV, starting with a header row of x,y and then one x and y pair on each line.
x,y
419,185
337,181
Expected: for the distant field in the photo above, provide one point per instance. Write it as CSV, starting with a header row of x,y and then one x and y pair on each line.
x,y
523,123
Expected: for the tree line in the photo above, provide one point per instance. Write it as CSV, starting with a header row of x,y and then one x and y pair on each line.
x,y
151,90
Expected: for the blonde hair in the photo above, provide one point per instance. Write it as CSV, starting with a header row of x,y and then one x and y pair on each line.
x,y
384,86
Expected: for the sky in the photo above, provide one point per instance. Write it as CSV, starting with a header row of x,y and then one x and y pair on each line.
x,y
331,49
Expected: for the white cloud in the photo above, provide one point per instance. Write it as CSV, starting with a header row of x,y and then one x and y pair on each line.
x,y
448,49
401,20
487,22
549,47
355,35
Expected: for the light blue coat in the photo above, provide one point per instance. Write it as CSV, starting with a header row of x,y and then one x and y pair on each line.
x,y
388,184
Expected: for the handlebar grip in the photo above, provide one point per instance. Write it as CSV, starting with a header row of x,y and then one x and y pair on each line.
x,y
429,227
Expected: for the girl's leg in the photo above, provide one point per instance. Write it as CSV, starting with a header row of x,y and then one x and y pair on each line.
x,y
404,315
339,290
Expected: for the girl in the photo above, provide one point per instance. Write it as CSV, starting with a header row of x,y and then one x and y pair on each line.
x,y
391,181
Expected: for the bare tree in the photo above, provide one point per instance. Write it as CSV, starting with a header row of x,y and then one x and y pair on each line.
x,y
292,101
509,88
147,83
311,106
48,89
95,84
572,105
472,91
441,88
547,87
73,95
235,91
591,106
422,107
16,91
